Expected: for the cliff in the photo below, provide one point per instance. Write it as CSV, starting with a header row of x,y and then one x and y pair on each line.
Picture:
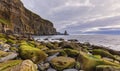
x,y
15,18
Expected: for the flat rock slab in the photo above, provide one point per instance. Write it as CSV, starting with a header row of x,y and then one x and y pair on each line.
x,y
9,57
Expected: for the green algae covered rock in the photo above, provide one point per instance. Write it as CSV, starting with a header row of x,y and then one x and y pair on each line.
x,y
71,52
26,65
11,37
42,47
3,37
50,45
63,53
28,52
3,54
60,63
14,49
107,68
11,41
89,62
6,66
71,45
102,53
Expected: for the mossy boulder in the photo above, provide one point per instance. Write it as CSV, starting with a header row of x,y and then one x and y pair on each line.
x,y
60,63
71,52
42,47
3,54
70,45
107,68
89,62
28,52
50,45
63,53
6,66
14,49
26,65
32,43
11,41
3,39
103,53
11,37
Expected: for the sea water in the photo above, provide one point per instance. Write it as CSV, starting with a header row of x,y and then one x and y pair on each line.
x,y
110,41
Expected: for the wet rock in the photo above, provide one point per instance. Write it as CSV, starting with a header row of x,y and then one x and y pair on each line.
x,y
60,63
51,69
51,57
26,65
70,70
43,67
46,39
61,39
73,40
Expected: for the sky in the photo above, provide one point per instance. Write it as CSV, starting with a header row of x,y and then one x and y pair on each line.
x,y
79,16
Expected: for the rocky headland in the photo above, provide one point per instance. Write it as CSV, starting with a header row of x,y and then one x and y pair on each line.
x,y
16,19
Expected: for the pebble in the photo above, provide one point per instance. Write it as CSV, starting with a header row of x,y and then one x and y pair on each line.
x,y
51,69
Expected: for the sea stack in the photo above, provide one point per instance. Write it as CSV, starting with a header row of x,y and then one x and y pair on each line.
x,y
66,33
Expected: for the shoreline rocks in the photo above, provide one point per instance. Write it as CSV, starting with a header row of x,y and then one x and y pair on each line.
x,y
27,54
61,63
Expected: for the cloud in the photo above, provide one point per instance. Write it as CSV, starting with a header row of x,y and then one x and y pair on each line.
x,y
78,16
112,27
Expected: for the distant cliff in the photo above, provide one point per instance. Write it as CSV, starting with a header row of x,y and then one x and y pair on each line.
x,y
15,18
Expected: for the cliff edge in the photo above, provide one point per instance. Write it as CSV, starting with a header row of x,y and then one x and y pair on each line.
x,y
15,18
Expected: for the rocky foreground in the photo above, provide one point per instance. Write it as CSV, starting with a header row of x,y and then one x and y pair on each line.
x,y
19,53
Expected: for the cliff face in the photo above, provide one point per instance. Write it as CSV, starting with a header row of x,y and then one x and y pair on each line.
x,y
15,18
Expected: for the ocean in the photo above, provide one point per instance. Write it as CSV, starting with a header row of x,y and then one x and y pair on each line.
x,y
109,41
